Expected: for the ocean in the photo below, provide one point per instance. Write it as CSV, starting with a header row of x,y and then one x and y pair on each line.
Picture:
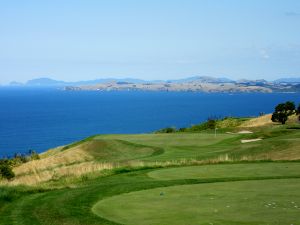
x,y
40,119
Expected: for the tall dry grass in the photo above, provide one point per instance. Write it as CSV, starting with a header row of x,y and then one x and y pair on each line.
x,y
63,159
77,170
266,120
259,121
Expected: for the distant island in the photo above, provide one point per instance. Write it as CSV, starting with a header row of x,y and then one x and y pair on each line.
x,y
193,84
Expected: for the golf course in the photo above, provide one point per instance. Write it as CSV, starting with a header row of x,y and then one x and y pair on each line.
x,y
245,172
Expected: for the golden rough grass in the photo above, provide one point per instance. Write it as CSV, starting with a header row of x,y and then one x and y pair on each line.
x,y
259,121
51,152
293,119
92,167
38,176
75,170
70,156
266,120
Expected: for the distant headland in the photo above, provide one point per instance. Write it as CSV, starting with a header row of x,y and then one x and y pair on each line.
x,y
194,84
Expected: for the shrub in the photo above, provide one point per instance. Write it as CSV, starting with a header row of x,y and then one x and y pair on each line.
x,y
182,129
211,124
6,171
33,155
167,130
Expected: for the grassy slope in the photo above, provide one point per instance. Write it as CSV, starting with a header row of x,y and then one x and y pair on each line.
x,y
72,204
110,151
277,144
83,157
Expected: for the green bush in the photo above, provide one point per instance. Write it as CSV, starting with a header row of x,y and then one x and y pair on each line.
x,y
167,130
209,124
182,129
6,171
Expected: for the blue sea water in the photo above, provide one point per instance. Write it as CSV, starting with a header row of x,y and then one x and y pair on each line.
x,y
42,119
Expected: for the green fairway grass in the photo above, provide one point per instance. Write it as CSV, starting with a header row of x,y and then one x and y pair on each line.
x,y
228,170
278,143
179,145
83,204
117,150
243,202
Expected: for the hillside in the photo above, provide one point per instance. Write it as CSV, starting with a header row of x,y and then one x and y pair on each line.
x,y
195,84
103,152
249,167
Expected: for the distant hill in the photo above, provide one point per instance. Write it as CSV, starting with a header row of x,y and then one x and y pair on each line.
x,y
288,80
48,82
260,82
202,79
194,83
16,84
45,82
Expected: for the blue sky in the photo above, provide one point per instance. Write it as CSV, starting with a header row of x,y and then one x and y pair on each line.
x,y
156,39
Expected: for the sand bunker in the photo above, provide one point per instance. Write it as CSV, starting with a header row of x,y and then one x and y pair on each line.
x,y
250,140
245,132
240,132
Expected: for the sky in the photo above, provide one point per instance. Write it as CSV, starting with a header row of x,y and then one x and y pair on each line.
x,y
75,40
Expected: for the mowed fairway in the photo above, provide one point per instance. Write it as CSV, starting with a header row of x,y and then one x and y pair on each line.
x,y
246,170
242,202
178,146
276,144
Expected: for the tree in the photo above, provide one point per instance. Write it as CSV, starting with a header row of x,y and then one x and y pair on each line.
x,y
283,111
